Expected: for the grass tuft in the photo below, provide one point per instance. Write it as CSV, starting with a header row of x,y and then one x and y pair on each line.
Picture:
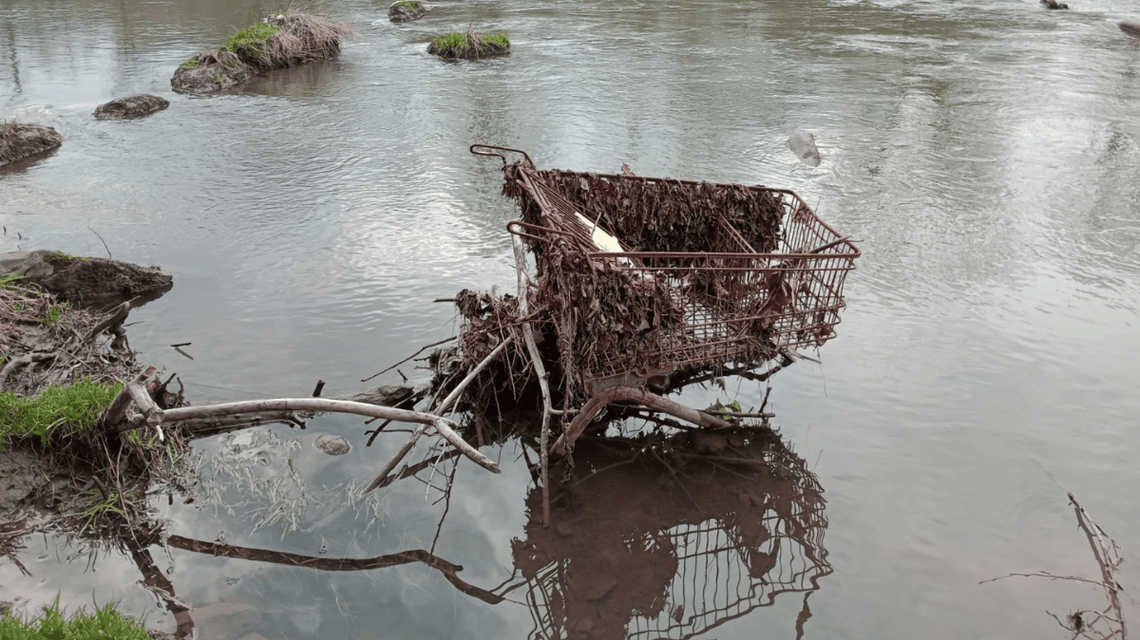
x,y
251,42
469,45
105,623
55,413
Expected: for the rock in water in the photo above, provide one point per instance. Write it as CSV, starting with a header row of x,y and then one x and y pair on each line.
x,y
130,107
802,144
23,140
331,445
1131,28
406,11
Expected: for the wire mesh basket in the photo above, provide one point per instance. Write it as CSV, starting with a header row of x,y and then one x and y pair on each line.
x,y
655,275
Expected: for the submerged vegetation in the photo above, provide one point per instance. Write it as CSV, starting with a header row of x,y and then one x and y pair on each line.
x,y
104,623
278,41
470,45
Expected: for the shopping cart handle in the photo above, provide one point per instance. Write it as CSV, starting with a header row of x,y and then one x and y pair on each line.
x,y
498,155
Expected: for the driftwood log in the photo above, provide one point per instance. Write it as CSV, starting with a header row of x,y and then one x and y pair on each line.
x,y
115,419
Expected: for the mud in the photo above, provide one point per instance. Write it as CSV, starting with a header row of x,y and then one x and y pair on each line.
x,y
91,283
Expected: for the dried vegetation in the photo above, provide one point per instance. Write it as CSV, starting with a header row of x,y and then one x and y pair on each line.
x,y
278,41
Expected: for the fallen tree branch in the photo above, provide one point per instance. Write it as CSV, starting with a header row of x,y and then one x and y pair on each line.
x,y
113,417
117,317
629,394
1107,556
315,405
448,569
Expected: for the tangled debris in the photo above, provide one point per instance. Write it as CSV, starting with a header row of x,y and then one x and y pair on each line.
x,y
65,470
645,285
278,41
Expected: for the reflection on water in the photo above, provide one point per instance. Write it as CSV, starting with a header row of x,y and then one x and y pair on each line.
x,y
660,536
653,539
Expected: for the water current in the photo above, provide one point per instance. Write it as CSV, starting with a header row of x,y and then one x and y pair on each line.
x,y
985,155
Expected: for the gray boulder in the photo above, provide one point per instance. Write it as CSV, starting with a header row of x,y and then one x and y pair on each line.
x,y
23,140
130,107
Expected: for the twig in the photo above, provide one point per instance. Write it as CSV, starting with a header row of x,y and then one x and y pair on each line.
x,y
540,371
451,398
103,241
1107,557
27,358
422,349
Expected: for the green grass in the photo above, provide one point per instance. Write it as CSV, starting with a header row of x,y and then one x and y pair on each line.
x,y
57,412
5,125
449,41
104,624
500,39
55,312
250,42
6,282
192,63
455,42
410,5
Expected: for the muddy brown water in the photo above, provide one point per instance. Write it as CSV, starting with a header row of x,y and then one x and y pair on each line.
x,y
984,153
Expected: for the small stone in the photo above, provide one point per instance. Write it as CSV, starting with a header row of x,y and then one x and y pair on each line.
x,y
331,445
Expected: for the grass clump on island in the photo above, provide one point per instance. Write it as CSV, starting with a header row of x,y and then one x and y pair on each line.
x,y
470,45
55,414
103,624
278,41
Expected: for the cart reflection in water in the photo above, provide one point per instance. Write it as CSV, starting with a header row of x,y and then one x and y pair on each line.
x,y
669,537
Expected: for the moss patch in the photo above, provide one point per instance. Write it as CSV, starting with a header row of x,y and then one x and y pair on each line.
x,y
251,42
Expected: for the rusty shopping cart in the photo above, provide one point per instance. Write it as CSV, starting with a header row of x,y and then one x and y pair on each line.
x,y
653,283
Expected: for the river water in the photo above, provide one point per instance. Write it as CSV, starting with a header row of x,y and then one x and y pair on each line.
x,y
984,154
